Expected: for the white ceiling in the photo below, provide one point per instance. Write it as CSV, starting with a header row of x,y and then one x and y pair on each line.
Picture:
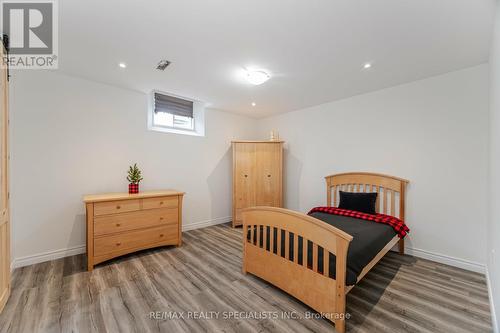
x,y
314,49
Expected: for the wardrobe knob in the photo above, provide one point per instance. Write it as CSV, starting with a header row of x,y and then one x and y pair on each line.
x,y
118,244
161,235
118,224
161,202
268,176
246,176
118,207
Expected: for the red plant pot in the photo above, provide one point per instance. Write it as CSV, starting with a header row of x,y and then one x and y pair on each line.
x,y
133,188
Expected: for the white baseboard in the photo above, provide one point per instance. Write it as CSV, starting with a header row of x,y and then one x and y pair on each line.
x,y
61,253
492,302
207,223
444,259
47,256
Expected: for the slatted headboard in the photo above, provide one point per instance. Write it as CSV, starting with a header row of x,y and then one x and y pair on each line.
x,y
391,190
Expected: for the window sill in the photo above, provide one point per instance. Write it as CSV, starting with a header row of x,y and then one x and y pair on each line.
x,y
175,131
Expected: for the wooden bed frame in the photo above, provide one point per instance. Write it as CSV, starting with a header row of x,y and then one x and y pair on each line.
x,y
308,284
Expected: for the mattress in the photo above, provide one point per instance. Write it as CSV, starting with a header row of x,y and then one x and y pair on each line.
x,y
369,238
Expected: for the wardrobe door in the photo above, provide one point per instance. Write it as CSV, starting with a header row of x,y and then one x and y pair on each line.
x,y
243,179
269,174
4,194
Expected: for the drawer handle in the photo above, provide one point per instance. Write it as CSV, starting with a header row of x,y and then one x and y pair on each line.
x,y
118,224
118,207
268,176
118,244
161,202
246,176
161,235
161,218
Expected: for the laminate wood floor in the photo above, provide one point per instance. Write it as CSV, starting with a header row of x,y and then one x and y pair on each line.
x,y
203,278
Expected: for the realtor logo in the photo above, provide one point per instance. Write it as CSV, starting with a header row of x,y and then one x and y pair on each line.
x,y
32,30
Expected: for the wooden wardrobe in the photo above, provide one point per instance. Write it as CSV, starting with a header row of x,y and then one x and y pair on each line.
x,y
4,187
257,175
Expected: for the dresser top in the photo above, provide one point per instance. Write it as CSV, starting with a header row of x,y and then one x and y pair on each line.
x,y
257,141
126,196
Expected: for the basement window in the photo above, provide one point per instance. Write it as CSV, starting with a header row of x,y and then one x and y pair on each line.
x,y
174,114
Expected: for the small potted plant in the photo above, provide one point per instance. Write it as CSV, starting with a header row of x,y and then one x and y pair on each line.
x,y
134,177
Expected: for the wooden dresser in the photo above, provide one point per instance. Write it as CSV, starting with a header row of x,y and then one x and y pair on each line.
x,y
121,223
257,175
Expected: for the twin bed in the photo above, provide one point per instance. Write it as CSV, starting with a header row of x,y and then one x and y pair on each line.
x,y
318,258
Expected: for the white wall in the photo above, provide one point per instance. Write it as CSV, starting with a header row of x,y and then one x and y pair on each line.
x,y
432,132
72,137
493,229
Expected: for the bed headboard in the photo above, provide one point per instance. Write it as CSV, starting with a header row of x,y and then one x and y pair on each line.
x,y
391,190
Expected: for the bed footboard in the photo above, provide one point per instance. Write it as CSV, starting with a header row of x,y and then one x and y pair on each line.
x,y
274,260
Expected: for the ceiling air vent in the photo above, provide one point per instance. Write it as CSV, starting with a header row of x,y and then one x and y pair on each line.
x,y
162,65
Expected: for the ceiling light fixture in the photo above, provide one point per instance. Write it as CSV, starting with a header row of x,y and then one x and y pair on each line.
x,y
254,104
122,65
367,65
257,77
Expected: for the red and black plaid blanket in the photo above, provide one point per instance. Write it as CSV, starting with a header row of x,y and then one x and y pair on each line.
x,y
398,225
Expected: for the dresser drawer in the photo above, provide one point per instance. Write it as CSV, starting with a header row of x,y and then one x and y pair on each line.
x,y
135,239
113,207
109,224
164,202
